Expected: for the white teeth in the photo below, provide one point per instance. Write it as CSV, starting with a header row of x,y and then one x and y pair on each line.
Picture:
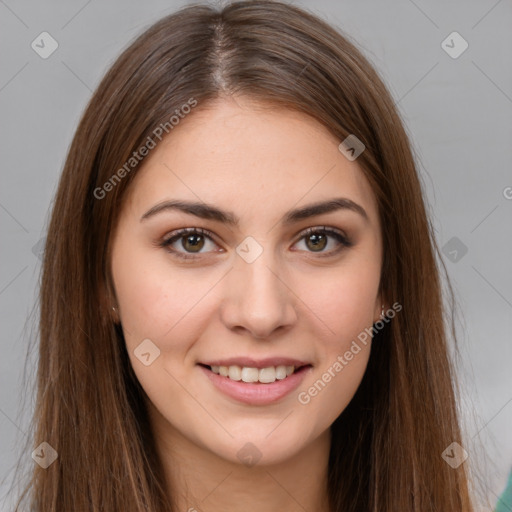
x,y
235,373
267,375
247,374
281,372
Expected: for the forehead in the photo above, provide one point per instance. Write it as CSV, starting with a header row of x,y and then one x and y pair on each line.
x,y
249,157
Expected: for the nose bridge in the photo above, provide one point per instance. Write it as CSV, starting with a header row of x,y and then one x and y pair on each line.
x,y
256,298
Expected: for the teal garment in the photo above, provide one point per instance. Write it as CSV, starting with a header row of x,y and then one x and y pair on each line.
x,y
505,501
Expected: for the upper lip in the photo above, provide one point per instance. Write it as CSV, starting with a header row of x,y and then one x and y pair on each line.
x,y
250,362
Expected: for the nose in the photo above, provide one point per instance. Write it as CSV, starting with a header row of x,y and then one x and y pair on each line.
x,y
257,299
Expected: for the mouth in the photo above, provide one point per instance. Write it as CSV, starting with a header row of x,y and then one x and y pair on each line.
x,y
256,375
259,385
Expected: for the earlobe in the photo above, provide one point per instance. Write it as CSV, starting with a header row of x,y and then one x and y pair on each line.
x,y
381,312
115,315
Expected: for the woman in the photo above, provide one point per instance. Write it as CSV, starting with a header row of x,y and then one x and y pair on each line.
x,y
240,303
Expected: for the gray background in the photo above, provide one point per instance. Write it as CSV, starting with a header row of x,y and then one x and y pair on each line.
x,y
457,110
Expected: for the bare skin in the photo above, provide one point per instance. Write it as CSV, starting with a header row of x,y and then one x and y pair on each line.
x,y
297,299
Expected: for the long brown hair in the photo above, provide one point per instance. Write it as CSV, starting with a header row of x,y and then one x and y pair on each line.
x,y
387,444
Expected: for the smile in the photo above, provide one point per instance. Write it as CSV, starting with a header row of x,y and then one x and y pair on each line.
x,y
248,374
256,386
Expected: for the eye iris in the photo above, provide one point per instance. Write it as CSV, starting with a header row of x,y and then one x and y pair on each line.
x,y
194,244
319,241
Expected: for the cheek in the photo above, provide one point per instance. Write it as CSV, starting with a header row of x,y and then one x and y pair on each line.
x,y
345,302
343,342
143,293
345,308
326,397
158,300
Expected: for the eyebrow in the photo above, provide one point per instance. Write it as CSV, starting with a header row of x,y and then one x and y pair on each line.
x,y
210,212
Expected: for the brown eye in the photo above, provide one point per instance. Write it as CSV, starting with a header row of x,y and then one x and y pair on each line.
x,y
188,242
193,243
317,239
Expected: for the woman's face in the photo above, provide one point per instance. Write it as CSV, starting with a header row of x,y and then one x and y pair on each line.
x,y
256,290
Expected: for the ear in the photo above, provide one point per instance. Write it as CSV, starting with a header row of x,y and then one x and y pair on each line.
x,y
380,306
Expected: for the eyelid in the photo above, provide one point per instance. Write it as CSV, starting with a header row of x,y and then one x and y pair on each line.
x,y
176,234
323,229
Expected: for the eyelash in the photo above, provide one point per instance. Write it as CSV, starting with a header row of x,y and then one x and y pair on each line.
x,y
167,242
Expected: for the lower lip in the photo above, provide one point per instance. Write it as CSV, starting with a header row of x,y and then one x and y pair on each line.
x,y
256,393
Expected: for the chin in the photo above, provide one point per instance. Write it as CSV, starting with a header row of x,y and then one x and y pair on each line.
x,y
259,446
